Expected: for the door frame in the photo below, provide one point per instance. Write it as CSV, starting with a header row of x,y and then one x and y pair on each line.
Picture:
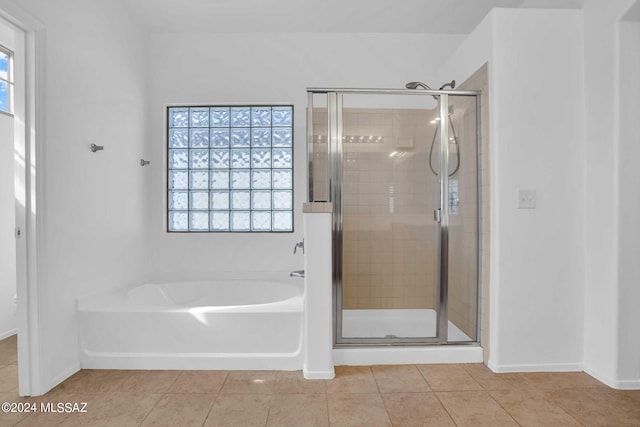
x,y
29,199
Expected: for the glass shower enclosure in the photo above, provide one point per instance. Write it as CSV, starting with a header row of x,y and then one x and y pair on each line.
x,y
401,169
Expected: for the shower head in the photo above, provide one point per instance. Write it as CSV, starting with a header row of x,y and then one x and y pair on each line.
x,y
415,85
452,85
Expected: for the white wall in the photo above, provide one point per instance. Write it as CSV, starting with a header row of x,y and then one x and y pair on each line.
x,y
264,68
629,197
7,209
628,34
538,63
601,293
94,212
608,265
474,51
536,143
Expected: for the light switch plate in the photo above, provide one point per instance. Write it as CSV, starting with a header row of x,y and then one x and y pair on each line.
x,y
526,199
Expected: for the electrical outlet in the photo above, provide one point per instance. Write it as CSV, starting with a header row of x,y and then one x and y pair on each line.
x,y
526,199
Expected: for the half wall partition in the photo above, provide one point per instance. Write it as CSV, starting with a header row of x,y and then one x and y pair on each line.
x,y
401,168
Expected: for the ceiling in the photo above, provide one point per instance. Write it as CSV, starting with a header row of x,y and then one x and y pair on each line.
x,y
337,16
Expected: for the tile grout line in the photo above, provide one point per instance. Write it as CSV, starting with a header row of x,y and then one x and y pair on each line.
x,y
437,397
164,394
211,408
375,380
562,408
266,422
271,398
223,384
174,382
531,386
380,395
486,390
386,410
326,402
216,399
151,410
445,408
425,380
503,408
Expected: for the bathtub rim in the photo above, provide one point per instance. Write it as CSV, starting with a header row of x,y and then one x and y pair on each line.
x,y
112,301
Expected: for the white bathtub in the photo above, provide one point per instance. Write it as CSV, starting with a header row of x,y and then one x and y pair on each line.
x,y
222,324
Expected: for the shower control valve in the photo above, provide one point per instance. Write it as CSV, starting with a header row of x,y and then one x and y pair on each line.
x,y
299,245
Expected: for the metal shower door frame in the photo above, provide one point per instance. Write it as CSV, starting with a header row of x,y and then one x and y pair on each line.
x,y
441,214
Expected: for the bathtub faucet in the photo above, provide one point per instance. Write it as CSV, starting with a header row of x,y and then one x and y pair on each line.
x,y
299,245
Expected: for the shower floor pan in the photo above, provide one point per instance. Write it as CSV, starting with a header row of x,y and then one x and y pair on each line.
x,y
408,323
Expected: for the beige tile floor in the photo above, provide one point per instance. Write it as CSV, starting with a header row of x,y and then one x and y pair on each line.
x,y
403,395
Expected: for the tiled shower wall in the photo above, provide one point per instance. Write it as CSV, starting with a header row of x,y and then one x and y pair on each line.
x,y
389,256
389,251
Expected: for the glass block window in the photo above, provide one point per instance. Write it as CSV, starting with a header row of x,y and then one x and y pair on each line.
x,y
230,168
6,80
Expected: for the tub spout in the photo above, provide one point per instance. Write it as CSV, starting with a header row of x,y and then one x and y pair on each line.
x,y
297,273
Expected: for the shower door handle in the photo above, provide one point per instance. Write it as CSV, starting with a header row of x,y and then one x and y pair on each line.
x,y
437,215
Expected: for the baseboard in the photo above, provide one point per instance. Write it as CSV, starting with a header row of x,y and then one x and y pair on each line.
x,y
8,333
613,383
318,375
625,384
541,367
60,378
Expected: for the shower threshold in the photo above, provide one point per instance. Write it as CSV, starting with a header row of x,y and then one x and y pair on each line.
x,y
392,323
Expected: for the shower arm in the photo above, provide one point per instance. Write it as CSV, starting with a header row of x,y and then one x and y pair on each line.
x,y
452,84
416,85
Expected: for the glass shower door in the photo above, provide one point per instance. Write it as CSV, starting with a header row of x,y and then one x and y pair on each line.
x,y
463,220
401,169
388,241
